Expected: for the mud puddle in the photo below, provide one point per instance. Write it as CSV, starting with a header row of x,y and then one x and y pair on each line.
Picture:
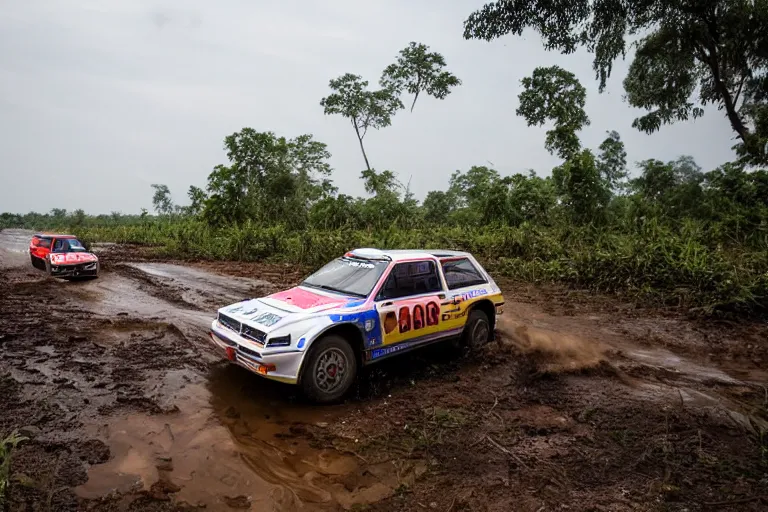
x,y
203,289
234,439
116,295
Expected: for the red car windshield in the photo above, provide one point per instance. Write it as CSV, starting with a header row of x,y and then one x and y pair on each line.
x,y
68,245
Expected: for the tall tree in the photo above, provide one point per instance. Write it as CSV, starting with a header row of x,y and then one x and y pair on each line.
x,y
612,160
581,188
269,179
59,213
673,188
365,109
197,197
380,183
161,199
717,48
419,70
556,95
531,199
438,206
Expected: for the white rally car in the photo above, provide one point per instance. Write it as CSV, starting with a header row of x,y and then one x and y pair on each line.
x,y
358,309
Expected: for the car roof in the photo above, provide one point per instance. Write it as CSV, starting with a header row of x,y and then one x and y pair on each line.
x,y
53,235
403,254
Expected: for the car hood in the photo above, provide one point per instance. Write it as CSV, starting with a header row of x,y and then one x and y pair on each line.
x,y
279,309
69,258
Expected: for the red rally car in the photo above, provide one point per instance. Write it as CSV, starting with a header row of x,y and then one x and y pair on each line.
x,y
62,256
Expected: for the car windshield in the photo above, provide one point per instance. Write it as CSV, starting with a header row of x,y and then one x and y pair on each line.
x,y
348,275
68,245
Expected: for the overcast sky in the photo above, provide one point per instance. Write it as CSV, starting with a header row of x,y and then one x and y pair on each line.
x,y
99,99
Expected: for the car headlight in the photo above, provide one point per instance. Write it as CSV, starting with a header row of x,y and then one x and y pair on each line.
x,y
279,341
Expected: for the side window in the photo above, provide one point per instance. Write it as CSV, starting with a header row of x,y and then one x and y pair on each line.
x,y
461,273
45,242
411,278
59,245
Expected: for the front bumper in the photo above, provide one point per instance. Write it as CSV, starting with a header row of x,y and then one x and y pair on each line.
x,y
77,270
282,365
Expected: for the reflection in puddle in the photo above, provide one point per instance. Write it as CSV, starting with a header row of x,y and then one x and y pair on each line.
x,y
238,438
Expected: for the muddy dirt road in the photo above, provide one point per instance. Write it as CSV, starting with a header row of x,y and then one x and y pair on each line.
x,y
584,404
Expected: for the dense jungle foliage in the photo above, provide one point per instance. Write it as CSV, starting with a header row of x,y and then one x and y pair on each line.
x,y
669,233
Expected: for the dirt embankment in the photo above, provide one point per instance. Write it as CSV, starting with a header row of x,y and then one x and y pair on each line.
x,y
582,403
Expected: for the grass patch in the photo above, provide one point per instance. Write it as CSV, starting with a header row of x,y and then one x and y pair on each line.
x,y
7,446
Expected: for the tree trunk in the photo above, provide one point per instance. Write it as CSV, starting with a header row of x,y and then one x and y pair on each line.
x,y
730,107
713,60
414,101
360,139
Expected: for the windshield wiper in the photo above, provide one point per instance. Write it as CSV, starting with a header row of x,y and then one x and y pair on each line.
x,y
332,289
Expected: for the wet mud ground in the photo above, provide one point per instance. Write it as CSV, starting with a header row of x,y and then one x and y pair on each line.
x,y
584,403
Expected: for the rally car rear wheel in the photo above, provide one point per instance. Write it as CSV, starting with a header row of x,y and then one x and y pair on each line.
x,y
330,369
478,329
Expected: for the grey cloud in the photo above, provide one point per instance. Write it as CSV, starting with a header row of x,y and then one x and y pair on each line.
x,y
100,99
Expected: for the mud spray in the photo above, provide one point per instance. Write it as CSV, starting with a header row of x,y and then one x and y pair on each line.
x,y
552,352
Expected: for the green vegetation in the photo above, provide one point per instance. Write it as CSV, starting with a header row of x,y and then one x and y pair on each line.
x,y
671,234
716,50
7,445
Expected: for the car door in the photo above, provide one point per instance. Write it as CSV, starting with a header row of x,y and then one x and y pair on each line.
x,y
43,247
408,303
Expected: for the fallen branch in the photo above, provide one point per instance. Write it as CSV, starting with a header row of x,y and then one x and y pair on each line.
x,y
504,450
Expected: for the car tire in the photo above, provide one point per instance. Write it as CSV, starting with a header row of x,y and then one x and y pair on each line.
x,y
477,331
34,261
329,370
48,267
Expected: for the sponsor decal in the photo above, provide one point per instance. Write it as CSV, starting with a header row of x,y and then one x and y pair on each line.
x,y
359,264
412,317
471,294
367,321
391,349
380,352
461,314
267,319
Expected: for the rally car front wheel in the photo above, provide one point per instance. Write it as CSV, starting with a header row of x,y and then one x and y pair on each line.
x,y
329,370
